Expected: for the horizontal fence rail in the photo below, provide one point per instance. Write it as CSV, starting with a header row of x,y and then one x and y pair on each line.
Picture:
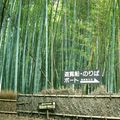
x,y
70,115
70,96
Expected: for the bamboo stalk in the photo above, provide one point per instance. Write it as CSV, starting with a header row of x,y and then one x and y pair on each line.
x,y
46,20
17,46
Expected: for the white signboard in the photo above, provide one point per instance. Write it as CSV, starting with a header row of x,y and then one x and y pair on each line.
x,y
83,77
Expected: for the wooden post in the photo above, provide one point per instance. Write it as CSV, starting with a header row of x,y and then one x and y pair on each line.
x,y
47,113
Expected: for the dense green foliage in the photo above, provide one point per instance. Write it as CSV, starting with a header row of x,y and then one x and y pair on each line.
x,y
39,39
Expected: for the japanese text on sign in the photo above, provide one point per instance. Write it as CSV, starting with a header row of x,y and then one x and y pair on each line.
x,y
86,76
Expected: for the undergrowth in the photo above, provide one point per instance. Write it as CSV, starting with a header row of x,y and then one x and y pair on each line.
x,y
7,95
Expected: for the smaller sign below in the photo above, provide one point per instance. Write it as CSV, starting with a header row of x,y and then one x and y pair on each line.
x,y
46,105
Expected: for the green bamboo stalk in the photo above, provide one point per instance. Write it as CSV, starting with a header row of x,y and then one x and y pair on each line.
x,y
74,35
24,53
46,20
112,50
118,77
65,34
3,63
8,54
17,46
38,59
52,45
53,33
31,67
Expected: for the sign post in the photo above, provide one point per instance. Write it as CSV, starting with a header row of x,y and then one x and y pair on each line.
x,y
82,77
46,106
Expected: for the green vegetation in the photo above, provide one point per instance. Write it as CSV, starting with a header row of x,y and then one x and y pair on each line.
x,y
39,39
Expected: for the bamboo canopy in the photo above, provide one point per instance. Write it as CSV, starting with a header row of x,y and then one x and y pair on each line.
x,y
39,39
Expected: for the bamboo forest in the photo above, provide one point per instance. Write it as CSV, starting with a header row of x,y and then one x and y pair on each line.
x,y
40,39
